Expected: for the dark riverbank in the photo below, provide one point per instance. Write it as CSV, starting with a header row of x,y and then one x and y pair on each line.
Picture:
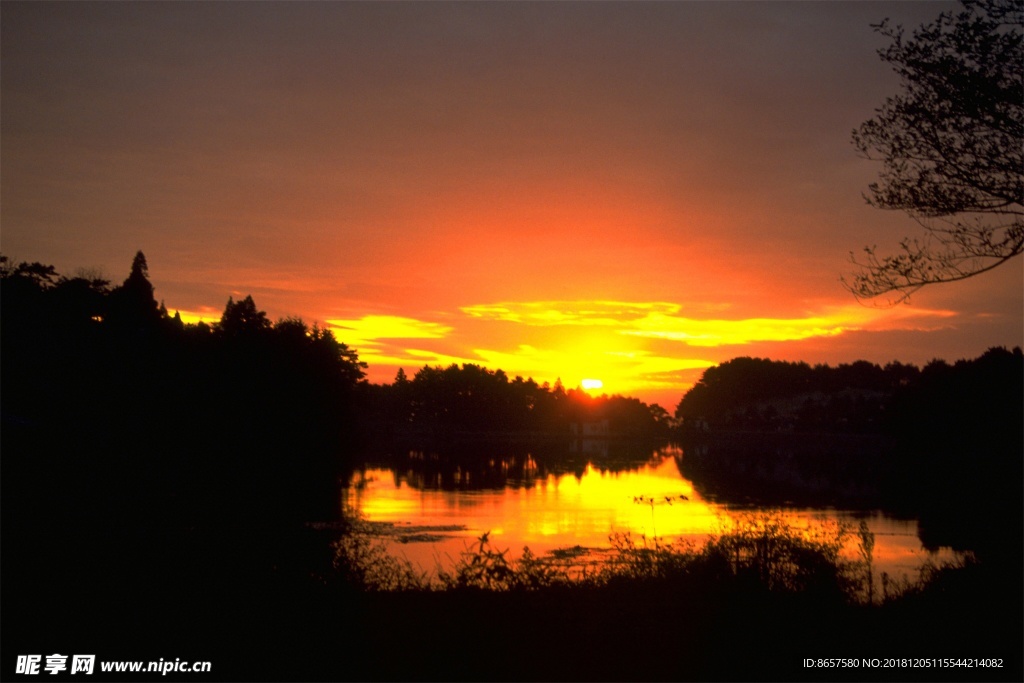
x,y
245,601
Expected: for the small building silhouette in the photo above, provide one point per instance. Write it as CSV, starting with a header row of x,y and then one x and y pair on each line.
x,y
590,428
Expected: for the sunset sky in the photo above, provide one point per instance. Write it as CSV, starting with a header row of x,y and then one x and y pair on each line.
x,y
624,191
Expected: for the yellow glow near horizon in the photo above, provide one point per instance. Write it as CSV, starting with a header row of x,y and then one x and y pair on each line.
x,y
205,314
374,327
379,355
590,313
621,371
591,384
661,320
635,348
737,332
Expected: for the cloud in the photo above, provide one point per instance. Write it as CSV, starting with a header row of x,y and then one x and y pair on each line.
x,y
371,329
383,341
661,320
393,356
545,313
737,332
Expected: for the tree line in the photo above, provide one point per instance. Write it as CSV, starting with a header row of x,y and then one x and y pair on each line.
x,y
943,442
115,407
765,395
470,399
103,386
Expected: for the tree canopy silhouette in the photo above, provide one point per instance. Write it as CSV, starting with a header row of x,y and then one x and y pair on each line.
x,y
133,303
102,387
952,148
471,399
243,318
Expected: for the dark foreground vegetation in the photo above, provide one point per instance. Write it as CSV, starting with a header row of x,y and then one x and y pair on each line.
x,y
172,491
265,606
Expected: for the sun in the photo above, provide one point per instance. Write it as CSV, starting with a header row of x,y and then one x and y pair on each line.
x,y
591,384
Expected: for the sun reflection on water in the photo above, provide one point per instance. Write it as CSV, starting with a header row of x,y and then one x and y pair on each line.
x,y
585,509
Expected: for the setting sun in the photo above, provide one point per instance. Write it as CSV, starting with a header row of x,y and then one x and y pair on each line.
x,y
591,384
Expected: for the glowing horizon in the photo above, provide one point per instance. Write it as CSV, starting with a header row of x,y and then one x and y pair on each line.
x,y
629,192
635,348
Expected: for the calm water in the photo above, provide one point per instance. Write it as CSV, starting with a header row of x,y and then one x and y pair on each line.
x,y
430,515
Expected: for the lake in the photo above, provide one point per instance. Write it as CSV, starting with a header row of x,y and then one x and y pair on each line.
x,y
429,509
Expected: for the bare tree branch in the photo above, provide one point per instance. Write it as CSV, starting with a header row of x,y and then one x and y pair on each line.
x,y
951,144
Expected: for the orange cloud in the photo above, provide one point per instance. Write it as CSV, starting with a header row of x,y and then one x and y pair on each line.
x,y
372,328
661,320
381,340
543,313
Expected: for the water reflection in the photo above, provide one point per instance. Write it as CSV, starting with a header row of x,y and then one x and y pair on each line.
x,y
544,502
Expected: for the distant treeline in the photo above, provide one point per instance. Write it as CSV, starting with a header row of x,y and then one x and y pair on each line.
x,y
944,442
757,394
469,399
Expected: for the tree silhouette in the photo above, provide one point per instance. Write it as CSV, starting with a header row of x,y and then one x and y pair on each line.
x,y
133,304
952,147
243,318
35,274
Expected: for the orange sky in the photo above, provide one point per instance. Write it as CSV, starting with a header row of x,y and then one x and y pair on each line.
x,y
624,191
